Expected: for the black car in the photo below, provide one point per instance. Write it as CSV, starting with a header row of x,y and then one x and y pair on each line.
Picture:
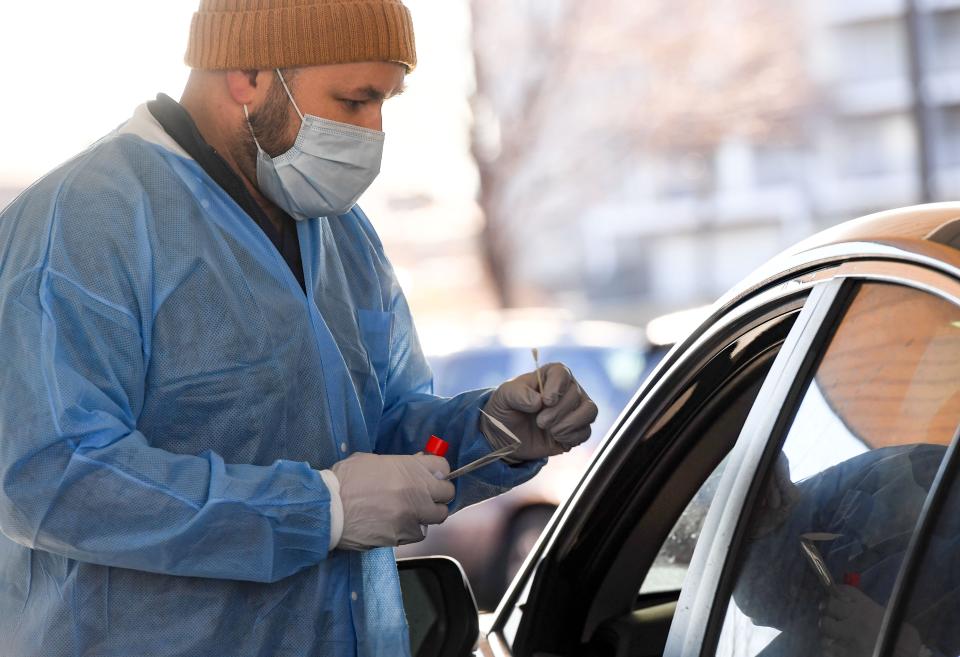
x,y
784,484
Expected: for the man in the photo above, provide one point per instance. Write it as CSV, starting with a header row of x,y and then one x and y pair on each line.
x,y
213,399
865,509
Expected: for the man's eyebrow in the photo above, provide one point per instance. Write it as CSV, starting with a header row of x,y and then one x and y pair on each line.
x,y
372,93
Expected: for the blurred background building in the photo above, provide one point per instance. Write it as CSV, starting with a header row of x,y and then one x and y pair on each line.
x,y
639,157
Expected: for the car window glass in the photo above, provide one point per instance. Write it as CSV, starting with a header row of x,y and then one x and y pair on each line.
x,y
838,507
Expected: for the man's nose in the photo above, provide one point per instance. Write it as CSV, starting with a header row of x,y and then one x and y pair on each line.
x,y
376,120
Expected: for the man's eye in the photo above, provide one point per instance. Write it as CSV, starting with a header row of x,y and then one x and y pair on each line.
x,y
353,105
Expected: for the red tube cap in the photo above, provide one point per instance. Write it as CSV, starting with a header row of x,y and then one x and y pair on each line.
x,y
437,446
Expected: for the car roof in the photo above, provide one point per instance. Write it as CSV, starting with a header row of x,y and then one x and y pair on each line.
x,y
927,233
931,222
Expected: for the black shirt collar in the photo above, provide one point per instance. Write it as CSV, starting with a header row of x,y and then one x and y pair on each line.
x,y
178,123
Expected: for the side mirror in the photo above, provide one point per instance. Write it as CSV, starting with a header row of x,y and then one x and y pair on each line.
x,y
441,610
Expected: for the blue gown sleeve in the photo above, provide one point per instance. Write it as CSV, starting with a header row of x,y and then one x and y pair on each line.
x,y
412,414
76,476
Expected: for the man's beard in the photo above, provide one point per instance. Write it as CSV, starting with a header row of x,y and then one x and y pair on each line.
x,y
270,124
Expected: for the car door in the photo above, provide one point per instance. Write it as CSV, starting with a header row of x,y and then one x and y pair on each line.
x,y
736,496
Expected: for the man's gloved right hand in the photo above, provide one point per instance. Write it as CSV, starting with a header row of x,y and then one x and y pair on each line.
x,y
547,424
851,621
387,498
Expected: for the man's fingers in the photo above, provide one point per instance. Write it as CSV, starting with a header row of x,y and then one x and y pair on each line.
x,y
582,416
518,396
556,379
846,597
831,627
569,402
830,647
839,605
435,469
573,438
441,491
434,514
832,609
409,535
437,465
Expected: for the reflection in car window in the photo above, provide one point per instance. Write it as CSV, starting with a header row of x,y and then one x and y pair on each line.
x,y
929,627
839,506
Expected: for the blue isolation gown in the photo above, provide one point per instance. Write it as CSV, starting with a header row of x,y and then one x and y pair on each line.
x,y
167,396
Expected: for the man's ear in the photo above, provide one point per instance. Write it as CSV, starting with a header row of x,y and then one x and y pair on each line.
x,y
245,87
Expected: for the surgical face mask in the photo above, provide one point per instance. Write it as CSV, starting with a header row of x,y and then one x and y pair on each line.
x,y
329,166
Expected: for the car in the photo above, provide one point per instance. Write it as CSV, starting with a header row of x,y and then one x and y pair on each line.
x,y
490,540
784,483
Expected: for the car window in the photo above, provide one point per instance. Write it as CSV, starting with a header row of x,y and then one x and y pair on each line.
x,y
839,505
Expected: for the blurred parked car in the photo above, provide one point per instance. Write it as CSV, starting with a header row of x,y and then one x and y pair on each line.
x,y
610,360
786,483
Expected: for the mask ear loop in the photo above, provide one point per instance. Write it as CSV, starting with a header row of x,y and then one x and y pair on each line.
x,y
289,95
246,113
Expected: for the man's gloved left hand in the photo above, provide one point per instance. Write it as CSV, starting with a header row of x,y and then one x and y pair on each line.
x,y
547,425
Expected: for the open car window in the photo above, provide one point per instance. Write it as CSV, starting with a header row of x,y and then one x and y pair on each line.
x,y
839,505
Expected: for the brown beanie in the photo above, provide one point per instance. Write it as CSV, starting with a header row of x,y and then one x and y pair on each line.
x,y
262,34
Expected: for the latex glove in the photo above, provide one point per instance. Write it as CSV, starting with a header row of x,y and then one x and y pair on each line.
x,y
387,498
546,426
778,499
850,625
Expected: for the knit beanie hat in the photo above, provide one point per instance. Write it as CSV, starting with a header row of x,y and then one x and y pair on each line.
x,y
263,34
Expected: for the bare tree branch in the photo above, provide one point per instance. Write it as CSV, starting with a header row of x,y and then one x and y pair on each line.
x,y
572,97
